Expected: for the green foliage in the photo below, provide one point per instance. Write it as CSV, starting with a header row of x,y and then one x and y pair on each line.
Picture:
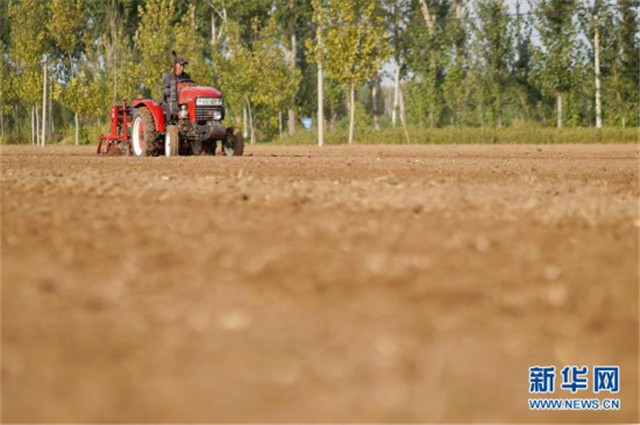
x,y
454,87
624,66
554,22
189,44
494,34
276,88
85,94
236,71
355,43
7,85
427,59
481,65
65,28
154,43
528,134
27,48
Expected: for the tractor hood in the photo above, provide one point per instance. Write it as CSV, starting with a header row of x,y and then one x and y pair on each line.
x,y
189,94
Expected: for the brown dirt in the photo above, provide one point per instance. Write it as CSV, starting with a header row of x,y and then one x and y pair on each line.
x,y
341,284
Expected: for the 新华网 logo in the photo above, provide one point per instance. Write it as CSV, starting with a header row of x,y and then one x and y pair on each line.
x,y
574,380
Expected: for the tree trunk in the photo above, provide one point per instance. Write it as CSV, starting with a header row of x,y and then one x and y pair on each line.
x,y
396,94
596,46
621,109
499,110
320,104
77,128
44,104
352,112
403,114
115,85
52,127
16,120
214,39
280,123
293,54
33,124
429,19
292,66
559,102
38,138
458,4
402,118
374,109
320,88
113,16
251,127
1,126
245,131
291,118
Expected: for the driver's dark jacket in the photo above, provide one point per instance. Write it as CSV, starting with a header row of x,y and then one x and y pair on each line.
x,y
166,83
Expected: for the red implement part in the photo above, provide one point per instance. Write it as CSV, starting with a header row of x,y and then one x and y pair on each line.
x,y
119,136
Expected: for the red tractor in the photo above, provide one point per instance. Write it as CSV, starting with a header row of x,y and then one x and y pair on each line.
x,y
189,122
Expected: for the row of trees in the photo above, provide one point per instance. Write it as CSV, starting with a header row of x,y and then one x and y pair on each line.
x,y
400,62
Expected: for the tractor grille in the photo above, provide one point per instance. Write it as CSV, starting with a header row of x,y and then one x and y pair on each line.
x,y
205,113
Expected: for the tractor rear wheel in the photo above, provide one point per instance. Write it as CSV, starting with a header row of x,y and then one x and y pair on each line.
x,y
171,141
143,134
233,143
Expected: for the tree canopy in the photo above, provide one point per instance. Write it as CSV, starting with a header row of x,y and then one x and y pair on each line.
x,y
439,62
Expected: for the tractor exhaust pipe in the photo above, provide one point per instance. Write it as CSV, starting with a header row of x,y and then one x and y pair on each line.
x,y
173,95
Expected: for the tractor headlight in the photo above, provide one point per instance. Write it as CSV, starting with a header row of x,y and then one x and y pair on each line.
x,y
217,115
208,101
184,112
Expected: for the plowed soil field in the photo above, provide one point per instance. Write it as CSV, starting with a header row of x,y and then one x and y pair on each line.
x,y
336,284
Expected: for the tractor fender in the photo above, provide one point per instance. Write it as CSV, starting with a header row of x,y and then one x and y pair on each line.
x,y
155,109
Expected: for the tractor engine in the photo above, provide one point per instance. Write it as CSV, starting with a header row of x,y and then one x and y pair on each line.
x,y
200,115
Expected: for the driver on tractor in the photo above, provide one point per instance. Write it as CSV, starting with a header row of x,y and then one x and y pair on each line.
x,y
181,77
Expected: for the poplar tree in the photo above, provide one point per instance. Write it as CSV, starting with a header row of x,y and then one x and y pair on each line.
x,y
625,65
154,43
27,47
355,45
455,87
6,97
237,73
526,90
427,60
65,27
397,17
293,17
278,82
494,35
190,45
554,22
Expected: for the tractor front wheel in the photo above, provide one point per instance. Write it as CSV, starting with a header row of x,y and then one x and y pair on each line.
x,y
144,135
233,143
171,141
